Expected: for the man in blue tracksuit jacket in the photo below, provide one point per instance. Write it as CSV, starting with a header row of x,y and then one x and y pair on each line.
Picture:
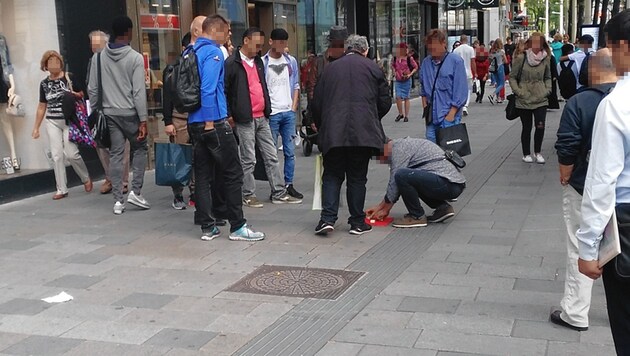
x,y
216,151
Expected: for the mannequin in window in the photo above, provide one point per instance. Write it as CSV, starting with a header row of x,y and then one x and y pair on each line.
x,y
7,89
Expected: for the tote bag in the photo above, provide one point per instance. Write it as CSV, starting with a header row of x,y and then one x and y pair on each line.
x,y
454,138
173,164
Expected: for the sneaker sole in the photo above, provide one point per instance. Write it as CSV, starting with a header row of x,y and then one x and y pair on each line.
x,y
357,232
443,218
139,204
116,212
279,202
410,225
324,231
178,207
210,238
238,238
253,206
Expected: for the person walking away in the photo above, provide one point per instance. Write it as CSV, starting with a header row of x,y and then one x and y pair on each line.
x,y
497,70
176,127
468,55
573,146
607,186
283,83
531,88
482,63
350,100
418,172
404,67
445,92
556,46
98,41
124,100
249,108
584,49
215,148
51,93
567,80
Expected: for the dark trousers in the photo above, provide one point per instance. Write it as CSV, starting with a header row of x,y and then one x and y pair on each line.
x,y
340,163
539,115
216,159
416,184
617,292
481,90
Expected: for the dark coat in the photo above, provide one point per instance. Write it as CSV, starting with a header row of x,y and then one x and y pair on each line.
x,y
237,88
350,100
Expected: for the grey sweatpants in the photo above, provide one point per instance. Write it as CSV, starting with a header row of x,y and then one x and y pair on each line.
x,y
121,130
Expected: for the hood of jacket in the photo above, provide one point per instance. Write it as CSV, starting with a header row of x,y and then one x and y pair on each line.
x,y
118,53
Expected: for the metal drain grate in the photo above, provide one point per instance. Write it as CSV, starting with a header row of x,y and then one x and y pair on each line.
x,y
302,282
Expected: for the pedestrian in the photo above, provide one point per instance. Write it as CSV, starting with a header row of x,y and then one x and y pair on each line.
x,y
444,85
283,82
482,64
455,45
215,147
468,55
51,95
418,172
350,100
249,109
176,128
573,145
404,67
583,50
556,46
98,41
531,85
497,70
606,188
125,107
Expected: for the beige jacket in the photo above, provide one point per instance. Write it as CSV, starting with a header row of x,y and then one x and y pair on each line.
x,y
535,83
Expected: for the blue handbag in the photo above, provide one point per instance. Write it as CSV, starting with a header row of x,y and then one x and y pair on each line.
x,y
173,164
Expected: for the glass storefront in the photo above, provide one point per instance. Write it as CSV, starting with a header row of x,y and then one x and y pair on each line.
x,y
236,12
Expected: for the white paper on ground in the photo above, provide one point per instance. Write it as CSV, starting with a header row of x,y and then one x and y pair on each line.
x,y
59,298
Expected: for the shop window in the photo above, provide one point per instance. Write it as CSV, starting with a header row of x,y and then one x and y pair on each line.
x,y
236,12
284,16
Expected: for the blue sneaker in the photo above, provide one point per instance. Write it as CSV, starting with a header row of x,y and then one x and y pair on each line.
x,y
211,233
246,234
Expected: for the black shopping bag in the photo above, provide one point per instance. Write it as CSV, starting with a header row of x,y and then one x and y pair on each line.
x,y
454,138
259,169
173,164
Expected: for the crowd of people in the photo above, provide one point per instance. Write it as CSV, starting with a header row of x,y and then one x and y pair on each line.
x,y
250,100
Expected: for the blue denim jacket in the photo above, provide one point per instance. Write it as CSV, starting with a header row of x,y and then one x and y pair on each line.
x,y
294,73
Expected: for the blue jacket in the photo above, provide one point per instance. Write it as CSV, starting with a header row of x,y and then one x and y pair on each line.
x,y
576,130
451,87
210,62
294,72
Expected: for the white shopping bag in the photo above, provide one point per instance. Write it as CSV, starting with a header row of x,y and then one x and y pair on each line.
x,y
317,189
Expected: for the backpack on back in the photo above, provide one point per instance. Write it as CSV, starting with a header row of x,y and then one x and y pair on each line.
x,y
583,76
186,82
566,80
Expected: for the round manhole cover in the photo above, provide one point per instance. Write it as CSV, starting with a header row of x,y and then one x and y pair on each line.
x,y
297,282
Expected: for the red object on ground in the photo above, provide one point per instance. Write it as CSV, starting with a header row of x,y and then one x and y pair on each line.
x,y
385,222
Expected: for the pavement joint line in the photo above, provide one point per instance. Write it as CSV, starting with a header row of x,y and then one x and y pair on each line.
x,y
403,244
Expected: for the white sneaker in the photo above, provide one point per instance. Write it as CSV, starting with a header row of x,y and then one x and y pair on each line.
x,y
138,200
119,208
465,111
528,159
540,159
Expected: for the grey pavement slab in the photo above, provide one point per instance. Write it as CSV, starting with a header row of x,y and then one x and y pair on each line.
x,y
42,345
23,306
429,305
36,325
113,331
183,339
480,344
146,300
75,281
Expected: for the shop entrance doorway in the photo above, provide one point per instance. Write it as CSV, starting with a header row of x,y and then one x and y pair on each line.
x,y
268,15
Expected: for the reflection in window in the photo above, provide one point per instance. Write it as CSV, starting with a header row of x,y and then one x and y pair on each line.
x,y
236,12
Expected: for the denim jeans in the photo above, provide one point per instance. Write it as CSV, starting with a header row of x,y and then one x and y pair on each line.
x,y
216,158
499,78
283,124
257,133
341,163
432,128
416,184
576,301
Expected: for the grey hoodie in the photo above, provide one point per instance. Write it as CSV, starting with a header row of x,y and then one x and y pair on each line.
x,y
123,82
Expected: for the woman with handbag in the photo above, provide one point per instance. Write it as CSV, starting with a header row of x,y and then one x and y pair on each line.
x,y
532,87
51,94
497,69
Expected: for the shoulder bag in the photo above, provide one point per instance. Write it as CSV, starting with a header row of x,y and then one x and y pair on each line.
x,y
427,112
100,132
511,112
75,112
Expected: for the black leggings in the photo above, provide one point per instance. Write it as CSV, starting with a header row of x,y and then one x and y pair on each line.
x,y
539,116
481,90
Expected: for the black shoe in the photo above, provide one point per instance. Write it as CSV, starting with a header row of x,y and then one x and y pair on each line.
x,y
406,119
398,118
360,229
441,214
556,319
294,193
323,228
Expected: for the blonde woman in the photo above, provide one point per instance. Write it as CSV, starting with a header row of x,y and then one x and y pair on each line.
x,y
51,93
531,83
497,69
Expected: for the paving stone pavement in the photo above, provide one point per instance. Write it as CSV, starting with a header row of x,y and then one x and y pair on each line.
x,y
145,284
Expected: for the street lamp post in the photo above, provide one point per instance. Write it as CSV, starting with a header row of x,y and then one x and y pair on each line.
x,y
561,17
546,19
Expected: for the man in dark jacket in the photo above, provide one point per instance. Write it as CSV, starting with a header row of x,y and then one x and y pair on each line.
x,y
574,146
249,108
350,99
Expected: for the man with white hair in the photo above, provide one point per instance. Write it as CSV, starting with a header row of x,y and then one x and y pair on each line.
x,y
350,100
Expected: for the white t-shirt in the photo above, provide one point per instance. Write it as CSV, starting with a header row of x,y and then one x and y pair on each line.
x,y
467,53
225,52
578,57
279,85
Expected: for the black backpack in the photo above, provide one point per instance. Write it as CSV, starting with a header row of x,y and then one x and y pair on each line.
x,y
583,76
186,82
566,80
